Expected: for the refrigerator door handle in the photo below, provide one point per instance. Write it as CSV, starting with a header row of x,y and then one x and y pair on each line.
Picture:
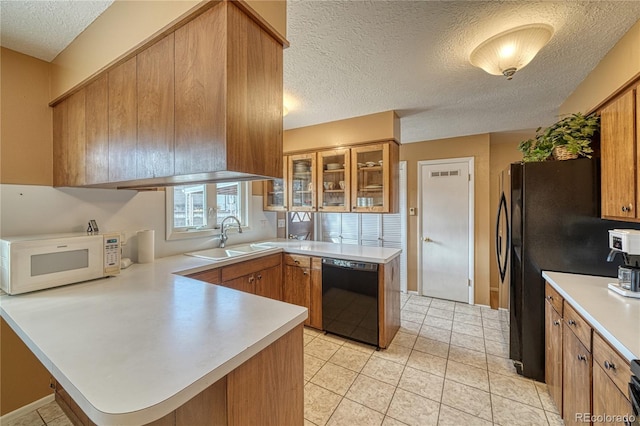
x,y
502,262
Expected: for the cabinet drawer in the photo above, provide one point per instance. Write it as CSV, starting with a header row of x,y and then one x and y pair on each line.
x,y
297,260
613,364
553,297
211,276
578,325
250,266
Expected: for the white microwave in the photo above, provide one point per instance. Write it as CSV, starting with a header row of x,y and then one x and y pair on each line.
x,y
37,262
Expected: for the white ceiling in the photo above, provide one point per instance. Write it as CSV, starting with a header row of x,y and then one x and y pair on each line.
x,y
43,28
351,58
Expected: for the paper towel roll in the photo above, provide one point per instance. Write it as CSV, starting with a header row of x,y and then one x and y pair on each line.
x,y
146,246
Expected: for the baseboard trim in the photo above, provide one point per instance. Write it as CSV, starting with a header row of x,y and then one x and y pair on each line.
x,y
26,409
413,292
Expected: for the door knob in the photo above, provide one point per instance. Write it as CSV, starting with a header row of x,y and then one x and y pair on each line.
x,y
427,240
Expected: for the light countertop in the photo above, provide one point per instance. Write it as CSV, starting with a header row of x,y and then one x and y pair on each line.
x,y
132,348
339,251
615,317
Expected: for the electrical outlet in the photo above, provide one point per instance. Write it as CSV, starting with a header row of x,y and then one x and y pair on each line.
x,y
412,211
281,223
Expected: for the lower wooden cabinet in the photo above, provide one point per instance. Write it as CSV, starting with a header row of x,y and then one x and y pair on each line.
x,y
302,286
553,353
269,283
315,296
586,377
245,283
576,372
608,402
262,276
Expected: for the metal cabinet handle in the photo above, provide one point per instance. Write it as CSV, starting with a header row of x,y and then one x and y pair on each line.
x,y
571,322
296,261
626,208
259,276
556,322
320,208
549,297
427,240
305,273
581,357
251,279
609,365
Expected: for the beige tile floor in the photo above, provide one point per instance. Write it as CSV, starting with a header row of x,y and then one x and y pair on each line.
x,y
49,415
448,365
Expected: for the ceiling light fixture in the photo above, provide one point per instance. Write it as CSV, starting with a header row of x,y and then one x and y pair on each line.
x,y
512,50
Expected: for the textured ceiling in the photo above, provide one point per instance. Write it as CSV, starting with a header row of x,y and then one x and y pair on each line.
x,y
351,58
44,28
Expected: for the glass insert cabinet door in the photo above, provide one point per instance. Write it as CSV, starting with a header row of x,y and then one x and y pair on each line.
x,y
302,181
371,178
275,192
334,181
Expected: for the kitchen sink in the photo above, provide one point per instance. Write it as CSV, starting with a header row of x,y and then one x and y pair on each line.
x,y
226,253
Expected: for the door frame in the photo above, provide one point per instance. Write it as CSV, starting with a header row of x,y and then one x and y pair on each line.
x,y
471,272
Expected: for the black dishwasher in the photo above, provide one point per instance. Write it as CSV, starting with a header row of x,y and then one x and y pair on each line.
x,y
350,299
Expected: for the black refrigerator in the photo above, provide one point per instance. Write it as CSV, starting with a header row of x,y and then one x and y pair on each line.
x,y
554,225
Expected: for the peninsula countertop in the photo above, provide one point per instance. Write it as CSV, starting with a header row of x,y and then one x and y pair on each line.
x,y
132,348
615,317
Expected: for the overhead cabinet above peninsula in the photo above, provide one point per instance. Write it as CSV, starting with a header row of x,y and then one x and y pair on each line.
x,y
195,104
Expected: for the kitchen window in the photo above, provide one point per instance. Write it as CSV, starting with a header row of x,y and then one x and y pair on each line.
x,y
197,210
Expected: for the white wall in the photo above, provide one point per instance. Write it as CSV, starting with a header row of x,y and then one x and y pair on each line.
x,y
28,209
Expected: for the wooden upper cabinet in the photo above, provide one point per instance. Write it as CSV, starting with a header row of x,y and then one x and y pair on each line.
x,y
200,49
302,182
69,141
334,180
275,192
619,157
202,102
254,97
123,119
228,95
155,97
97,128
374,178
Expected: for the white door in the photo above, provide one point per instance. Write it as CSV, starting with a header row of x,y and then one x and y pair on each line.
x,y
445,224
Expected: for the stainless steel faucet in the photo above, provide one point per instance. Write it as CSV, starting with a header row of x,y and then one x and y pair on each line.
x,y
223,231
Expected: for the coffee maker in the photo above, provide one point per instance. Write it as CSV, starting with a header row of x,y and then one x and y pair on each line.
x,y
626,242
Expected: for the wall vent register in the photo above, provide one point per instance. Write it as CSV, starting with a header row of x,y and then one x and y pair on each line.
x,y
445,173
